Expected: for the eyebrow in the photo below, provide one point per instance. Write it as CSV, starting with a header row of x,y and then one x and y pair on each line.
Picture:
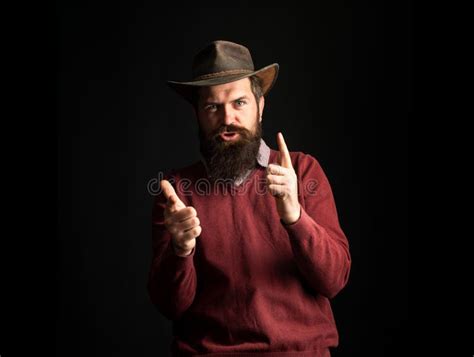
x,y
208,102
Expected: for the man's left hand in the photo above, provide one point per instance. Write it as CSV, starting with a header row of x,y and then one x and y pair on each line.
x,y
282,183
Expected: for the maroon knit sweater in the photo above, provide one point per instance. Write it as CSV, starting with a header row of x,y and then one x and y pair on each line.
x,y
252,286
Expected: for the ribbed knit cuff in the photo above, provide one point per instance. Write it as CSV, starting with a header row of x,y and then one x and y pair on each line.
x,y
175,262
301,227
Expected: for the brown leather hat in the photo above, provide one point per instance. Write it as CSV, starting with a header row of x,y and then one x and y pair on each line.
x,y
223,62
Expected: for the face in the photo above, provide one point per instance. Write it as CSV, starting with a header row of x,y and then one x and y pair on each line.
x,y
229,128
227,110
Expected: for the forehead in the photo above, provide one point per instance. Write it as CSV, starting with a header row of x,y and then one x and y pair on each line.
x,y
236,89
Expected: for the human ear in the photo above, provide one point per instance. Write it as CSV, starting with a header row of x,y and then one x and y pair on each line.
x,y
261,104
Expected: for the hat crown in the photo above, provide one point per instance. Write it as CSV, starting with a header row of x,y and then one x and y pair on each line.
x,y
222,57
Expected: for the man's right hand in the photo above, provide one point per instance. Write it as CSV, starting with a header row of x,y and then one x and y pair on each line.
x,y
181,221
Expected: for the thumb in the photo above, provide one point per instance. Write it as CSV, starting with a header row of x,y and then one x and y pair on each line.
x,y
172,198
284,158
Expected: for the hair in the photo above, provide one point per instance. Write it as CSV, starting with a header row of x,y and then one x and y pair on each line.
x,y
255,85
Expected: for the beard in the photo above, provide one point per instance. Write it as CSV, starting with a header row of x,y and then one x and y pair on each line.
x,y
230,159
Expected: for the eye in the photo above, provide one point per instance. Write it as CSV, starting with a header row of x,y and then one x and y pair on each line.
x,y
210,108
240,102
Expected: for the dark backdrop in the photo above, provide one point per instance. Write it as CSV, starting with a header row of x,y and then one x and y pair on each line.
x,y
344,95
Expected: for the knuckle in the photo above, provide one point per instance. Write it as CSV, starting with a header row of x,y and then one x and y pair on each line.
x,y
175,231
197,230
189,244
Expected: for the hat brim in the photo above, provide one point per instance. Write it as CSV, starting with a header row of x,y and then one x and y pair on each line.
x,y
267,75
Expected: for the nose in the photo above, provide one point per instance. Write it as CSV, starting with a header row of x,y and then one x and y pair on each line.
x,y
228,115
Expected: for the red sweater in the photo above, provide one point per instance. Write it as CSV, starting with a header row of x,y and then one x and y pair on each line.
x,y
252,286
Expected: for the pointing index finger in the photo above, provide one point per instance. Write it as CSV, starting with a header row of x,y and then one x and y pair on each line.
x,y
168,190
285,159
172,198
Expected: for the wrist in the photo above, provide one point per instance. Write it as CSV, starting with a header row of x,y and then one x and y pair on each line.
x,y
180,252
292,218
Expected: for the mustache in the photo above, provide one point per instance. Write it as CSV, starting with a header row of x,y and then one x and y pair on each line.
x,y
230,128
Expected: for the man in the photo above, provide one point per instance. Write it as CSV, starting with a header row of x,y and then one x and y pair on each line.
x,y
247,247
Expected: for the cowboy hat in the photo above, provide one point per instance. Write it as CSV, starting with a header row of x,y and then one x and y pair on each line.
x,y
223,62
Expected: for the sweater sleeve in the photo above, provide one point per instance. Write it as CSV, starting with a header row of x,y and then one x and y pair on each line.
x,y
319,245
172,279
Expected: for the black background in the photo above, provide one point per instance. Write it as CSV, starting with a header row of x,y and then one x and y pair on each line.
x,y
344,95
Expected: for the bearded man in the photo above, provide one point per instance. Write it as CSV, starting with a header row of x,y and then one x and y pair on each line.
x,y
249,266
